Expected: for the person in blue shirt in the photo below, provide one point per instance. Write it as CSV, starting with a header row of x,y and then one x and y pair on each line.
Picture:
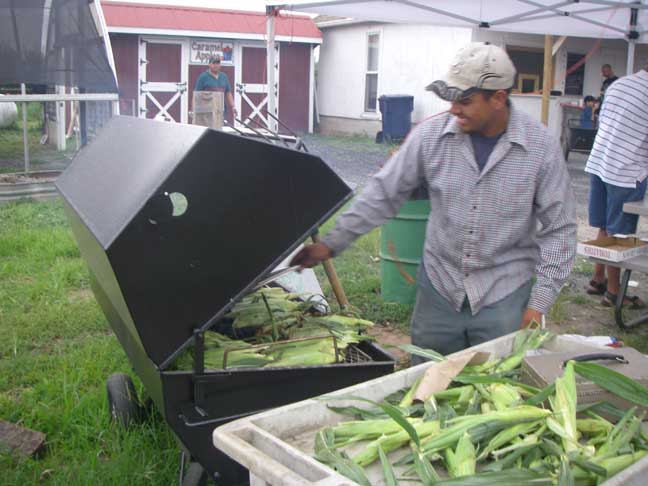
x,y
215,80
587,116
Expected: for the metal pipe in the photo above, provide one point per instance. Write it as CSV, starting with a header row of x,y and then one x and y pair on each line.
x,y
270,58
631,57
61,97
634,14
23,90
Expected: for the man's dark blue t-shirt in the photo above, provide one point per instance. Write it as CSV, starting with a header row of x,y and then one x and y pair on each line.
x,y
483,147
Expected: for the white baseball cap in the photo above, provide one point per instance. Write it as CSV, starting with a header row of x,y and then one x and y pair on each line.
x,y
476,66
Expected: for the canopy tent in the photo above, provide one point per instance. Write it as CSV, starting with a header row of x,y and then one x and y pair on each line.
x,y
55,42
572,18
610,19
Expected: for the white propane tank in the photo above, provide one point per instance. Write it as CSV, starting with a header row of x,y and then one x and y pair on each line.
x,y
8,114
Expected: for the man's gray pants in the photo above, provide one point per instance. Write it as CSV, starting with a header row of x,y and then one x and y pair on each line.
x,y
437,325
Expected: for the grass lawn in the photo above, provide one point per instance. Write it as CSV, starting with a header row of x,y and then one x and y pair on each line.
x,y
56,351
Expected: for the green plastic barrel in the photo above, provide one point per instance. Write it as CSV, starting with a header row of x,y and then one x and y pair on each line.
x,y
401,249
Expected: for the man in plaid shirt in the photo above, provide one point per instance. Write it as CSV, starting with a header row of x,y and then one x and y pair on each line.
x,y
501,235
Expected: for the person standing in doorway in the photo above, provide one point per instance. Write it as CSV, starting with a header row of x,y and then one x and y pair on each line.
x,y
618,164
608,78
213,79
501,235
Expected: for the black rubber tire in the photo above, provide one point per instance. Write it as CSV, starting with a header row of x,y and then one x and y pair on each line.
x,y
195,475
123,404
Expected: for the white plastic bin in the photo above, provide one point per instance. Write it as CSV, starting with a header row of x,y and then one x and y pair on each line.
x,y
276,446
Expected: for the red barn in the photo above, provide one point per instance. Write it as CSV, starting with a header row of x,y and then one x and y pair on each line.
x,y
160,50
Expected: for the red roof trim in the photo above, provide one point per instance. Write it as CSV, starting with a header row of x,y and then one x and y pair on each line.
x,y
172,17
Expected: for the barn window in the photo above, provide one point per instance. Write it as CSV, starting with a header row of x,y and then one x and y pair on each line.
x,y
371,76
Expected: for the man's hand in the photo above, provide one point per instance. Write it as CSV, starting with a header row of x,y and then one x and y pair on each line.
x,y
529,316
311,255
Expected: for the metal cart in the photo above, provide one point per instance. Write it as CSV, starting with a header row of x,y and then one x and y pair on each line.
x,y
176,224
575,138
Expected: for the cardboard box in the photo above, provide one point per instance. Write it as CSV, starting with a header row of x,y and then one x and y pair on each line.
x,y
613,248
208,109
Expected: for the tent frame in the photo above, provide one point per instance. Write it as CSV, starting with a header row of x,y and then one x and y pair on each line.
x,y
537,11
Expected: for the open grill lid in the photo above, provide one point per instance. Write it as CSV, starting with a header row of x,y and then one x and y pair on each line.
x,y
176,222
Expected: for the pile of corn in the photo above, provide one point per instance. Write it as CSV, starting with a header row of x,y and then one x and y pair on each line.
x,y
281,330
489,428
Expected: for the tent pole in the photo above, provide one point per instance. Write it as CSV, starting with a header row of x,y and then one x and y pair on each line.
x,y
546,79
632,36
631,57
23,91
271,60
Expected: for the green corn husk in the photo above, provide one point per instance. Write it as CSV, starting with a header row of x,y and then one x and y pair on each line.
x,y
408,399
425,470
565,475
388,470
503,396
564,407
325,452
614,382
510,460
507,435
541,395
449,437
429,354
514,442
529,440
593,426
614,465
462,461
525,340
371,429
622,433
514,477
611,465
475,380
459,393
394,441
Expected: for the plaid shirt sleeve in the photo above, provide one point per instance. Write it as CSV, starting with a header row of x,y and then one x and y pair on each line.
x,y
555,209
382,197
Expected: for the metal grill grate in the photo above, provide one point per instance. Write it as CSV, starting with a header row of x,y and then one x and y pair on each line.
x,y
356,355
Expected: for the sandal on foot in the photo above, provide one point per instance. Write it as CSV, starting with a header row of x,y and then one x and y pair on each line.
x,y
609,300
596,288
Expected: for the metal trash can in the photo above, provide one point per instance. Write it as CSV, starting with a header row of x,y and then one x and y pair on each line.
x,y
396,113
176,223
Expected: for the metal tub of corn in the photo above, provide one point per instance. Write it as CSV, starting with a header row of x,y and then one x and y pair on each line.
x,y
282,447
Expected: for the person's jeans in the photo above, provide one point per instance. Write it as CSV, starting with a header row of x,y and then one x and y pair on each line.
x,y
437,325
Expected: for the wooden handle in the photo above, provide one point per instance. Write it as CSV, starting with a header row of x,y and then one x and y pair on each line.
x,y
333,279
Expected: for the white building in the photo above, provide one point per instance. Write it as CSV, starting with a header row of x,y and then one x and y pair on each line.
x,y
360,61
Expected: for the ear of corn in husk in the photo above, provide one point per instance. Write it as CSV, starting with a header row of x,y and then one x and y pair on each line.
x,y
461,461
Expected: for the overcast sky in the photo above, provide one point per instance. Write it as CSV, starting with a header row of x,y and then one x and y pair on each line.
x,y
256,5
